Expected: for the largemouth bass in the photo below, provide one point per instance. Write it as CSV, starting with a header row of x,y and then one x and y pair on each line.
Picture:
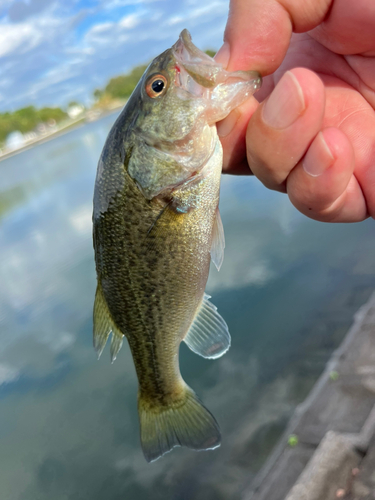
x,y
156,228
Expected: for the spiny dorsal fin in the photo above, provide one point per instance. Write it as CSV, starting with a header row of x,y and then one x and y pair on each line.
x,y
104,325
208,335
218,241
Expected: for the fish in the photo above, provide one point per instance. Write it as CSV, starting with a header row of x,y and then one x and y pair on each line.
x,y
156,227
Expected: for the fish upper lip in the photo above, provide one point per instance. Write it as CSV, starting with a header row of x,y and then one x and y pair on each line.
x,y
185,47
200,66
203,69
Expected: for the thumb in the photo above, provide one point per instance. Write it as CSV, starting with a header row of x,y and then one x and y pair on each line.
x,y
258,32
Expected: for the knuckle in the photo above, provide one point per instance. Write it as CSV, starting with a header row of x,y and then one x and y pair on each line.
x,y
272,177
308,200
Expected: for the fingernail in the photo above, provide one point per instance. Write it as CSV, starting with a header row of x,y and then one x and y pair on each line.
x,y
285,104
318,158
226,126
223,54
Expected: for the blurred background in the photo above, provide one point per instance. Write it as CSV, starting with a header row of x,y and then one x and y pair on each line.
x,y
65,62
288,287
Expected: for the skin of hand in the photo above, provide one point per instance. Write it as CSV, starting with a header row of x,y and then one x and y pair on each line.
x,y
310,132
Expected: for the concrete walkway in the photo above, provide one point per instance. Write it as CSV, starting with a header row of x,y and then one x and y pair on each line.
x,y
328,450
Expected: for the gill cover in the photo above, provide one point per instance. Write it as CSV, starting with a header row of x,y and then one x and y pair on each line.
x,y
173,133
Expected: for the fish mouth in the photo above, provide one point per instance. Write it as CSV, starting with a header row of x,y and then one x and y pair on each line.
x,y
200,75
200,66
204,69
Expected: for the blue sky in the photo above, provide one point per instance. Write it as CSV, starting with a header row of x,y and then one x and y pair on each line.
x,y
52,52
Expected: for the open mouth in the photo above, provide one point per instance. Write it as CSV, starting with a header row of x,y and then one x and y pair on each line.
x,y
199,75
204,70
200,66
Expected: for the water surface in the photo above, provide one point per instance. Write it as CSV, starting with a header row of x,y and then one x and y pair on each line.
x,y
68,424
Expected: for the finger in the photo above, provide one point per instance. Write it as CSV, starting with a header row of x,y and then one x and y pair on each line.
x,y
232,133
284,125
258,31
348,28
322,185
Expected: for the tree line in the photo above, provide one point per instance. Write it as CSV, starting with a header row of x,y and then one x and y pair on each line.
x,y
28,118
120,87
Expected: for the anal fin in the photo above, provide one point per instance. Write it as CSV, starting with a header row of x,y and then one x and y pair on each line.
x,y
208,335
104,325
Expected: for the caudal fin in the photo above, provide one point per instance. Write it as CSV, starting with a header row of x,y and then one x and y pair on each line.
x,y
187,423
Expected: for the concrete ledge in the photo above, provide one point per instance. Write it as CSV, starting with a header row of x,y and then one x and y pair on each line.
x,y
335,425
329,470
283,474
362,440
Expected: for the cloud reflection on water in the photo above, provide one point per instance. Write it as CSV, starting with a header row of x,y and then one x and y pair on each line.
x,y
69,425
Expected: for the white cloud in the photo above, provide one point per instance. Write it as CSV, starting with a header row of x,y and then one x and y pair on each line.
x,y
59,343
100,34
112,34
8,374
130,21
65,58
207,9
53,77
21,38
4,82
82,220
109,32
100,28
175,20
238,272
80,50
114,4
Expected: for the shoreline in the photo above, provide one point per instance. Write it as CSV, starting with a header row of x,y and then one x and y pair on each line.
x,y
62,131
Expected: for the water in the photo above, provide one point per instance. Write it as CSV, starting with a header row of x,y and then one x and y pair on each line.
x,y
68,424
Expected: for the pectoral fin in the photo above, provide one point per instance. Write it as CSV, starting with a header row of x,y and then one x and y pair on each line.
x,y
218,241
104,325
208,335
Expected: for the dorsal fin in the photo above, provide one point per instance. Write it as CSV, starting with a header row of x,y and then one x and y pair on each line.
x,y
104,325
208,335
218,241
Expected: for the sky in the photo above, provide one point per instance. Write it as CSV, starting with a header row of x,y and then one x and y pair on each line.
x,y
53,52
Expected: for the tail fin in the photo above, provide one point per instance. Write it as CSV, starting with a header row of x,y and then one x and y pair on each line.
x,y
187,423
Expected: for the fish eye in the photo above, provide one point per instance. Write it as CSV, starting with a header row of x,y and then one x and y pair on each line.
x,y
156,86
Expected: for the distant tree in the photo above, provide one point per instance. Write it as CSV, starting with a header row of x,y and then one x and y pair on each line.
x,y
56,114
98,94
210,52
6,125
26,119
74,103
122,86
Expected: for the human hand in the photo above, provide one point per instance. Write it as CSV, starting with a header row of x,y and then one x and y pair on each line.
x,y
313,135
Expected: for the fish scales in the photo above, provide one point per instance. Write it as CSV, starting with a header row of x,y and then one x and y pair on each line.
x,y
156,228
157,276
